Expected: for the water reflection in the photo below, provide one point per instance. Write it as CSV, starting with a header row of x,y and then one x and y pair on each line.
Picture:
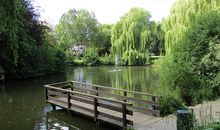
x,y
62,120
22,103
143,79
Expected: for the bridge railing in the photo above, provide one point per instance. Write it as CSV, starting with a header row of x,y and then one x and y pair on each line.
x,y
52,94
145,102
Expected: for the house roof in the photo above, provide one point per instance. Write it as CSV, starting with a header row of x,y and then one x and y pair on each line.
x,y
1,69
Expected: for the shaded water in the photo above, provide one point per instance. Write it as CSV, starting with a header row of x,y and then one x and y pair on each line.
x,y
22,104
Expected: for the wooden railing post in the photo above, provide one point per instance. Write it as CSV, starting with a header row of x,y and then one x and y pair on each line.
x,y
124,110
53,107
154,100
72,86
68,101
124,115
95,110
125,95
46,93
96,93
95,106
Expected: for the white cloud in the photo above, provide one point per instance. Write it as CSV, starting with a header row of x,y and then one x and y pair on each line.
x,y
106,11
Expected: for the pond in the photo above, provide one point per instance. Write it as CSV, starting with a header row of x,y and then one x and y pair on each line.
x,y
22,102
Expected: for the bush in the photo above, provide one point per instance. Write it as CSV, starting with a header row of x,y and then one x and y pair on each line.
x,y
170,100
78,62
70,56
106,60
91,57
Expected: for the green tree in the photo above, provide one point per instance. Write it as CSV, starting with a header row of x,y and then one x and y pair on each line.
x,y
156,40
77,27
27,46
104,39
183,14
9,22
91,57
131,37
193,66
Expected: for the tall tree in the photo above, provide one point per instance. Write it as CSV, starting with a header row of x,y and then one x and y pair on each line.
x,y
77,27
156,40
9,20
25,41
194,64
131,37
183,14
104,39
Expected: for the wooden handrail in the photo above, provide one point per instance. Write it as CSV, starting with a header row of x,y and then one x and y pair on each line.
x,y
60,83
116,89
124,97
104,87
88,95
99,92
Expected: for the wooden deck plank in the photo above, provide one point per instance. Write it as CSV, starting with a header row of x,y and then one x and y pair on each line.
x,y
139,119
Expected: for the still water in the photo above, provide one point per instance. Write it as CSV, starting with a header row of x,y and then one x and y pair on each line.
x,y
22,104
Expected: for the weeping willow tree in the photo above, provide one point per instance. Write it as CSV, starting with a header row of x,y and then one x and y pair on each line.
x,y
9,13
184,13
131,37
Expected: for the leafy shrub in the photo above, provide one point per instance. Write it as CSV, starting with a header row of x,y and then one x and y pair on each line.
x,y
170,100
91,57
69,56
106,60
78,62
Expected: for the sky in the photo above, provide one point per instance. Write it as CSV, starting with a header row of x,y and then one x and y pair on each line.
x,y
106,11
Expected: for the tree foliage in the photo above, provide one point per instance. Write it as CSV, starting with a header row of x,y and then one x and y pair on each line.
x,y
131,37
104,39
156,40
184,13
193,66
9,13
91,57
27,46
77,27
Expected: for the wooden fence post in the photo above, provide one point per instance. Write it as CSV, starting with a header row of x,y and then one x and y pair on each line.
x,y
46,93
95,110
154,100
68,101
72,86
95,106
124,111
124,115
53,107
125,95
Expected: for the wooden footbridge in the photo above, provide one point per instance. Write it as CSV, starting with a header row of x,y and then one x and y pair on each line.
x,y
118,107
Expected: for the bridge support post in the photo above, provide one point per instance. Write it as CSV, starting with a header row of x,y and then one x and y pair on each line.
x,y
53,107
124,116
124,111
95,106
46,93
72,85
153,106
95,110
68,101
